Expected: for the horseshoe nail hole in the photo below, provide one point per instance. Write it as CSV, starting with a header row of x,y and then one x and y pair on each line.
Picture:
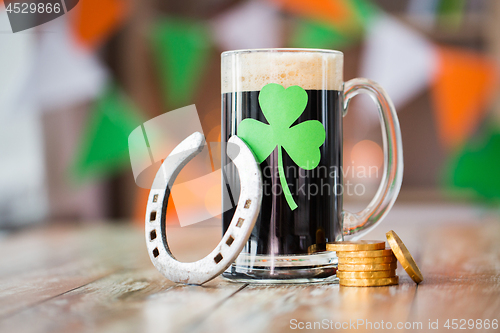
x,y
247,203
230,241
152,235
156,253
155,198
240,222
152,216
218,258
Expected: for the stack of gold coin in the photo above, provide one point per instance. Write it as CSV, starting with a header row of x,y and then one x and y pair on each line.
x,y
365,263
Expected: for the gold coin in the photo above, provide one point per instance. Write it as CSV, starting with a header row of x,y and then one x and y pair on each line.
x,y
316,248
369,282
361,261
361,245
404,256
366,275
366,254
367,267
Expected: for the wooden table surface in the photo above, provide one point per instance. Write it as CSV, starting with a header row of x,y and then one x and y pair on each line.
x,y
67,278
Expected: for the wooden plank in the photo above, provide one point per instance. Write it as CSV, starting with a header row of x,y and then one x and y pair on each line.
x,y
180,307
49,263
80,278
21,292
84,307
274,308
127,301
461,265
43,248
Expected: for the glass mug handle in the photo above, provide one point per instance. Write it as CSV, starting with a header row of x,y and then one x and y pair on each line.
x,y
357,224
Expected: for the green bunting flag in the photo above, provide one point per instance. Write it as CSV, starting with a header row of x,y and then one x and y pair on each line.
x,y
365,10
103,147
451,13
181,49
309,34
477,165
318,34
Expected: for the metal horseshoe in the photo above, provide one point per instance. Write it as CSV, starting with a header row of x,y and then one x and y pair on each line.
x,y
239,230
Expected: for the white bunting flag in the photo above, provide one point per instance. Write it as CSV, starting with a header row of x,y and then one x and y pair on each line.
x,y
399,58
253,24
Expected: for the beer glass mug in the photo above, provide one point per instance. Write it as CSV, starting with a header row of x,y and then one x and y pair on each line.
x,y
287,105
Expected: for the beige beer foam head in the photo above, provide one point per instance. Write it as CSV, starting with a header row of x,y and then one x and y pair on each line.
x,y
252,70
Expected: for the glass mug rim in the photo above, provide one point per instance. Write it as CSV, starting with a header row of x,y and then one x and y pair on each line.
x,y
283,50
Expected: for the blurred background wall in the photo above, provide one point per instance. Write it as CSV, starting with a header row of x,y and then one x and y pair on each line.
x,y
72,90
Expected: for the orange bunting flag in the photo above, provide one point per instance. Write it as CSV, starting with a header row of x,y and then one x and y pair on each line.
x,y
464,85
95,20
335,12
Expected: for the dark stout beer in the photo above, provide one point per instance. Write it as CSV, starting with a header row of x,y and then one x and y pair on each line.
x,y
286,244
316,220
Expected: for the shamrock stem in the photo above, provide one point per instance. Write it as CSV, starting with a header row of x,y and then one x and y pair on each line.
x,y
284,184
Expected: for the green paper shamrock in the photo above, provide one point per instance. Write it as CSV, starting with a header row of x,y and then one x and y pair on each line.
x,y
282,107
